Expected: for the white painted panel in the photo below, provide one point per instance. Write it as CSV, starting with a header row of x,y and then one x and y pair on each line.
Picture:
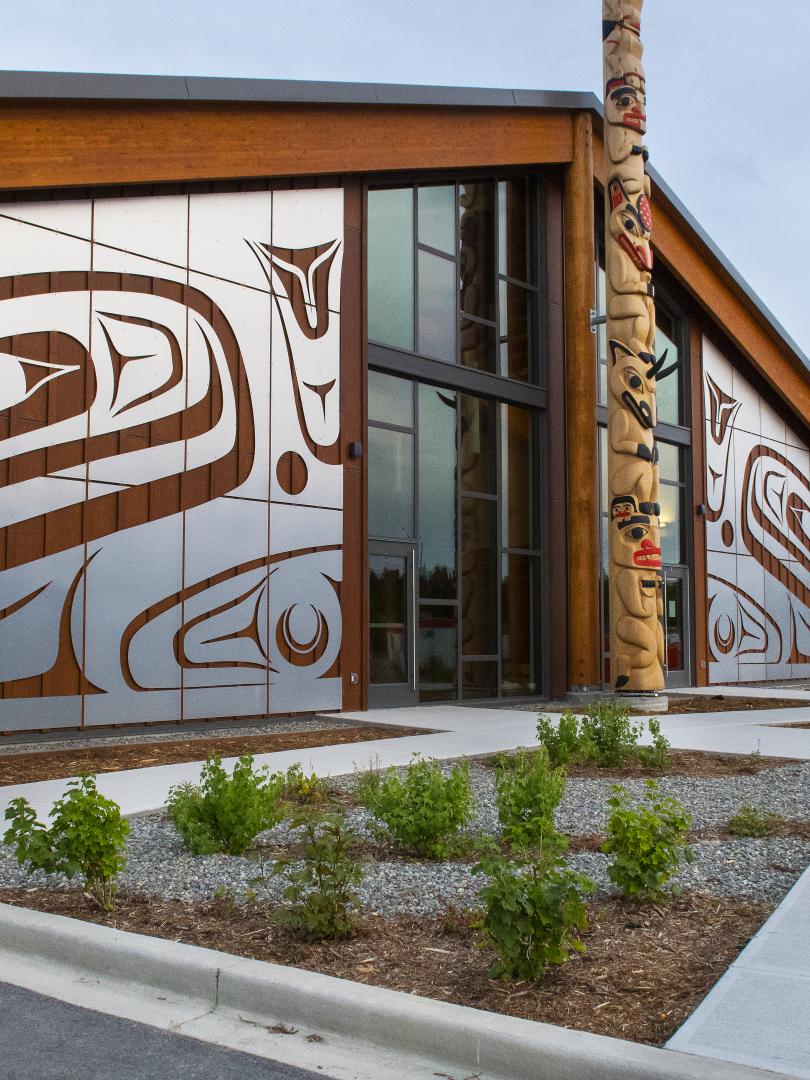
x,y
222,228
155,226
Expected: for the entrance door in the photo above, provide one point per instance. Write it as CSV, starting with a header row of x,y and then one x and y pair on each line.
x,y
392,662
677,635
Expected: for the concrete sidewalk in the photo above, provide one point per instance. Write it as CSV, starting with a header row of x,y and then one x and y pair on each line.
x,y
458,731
758,1014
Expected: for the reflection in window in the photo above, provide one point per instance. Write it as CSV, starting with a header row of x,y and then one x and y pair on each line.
x,y
479,580
517,455
668,390
478,444
390,400
479,679
518,599
438,652
390,483
390,267
388,653
437,493
470,274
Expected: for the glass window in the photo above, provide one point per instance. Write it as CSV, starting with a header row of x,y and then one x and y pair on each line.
x,y
388,605
390,400
517,455
669,462
517,624
390,483
478,445
437,493
477,342
669,390
438,652
476,231
671,521
514,313
437,307
479,679
437,219
601,335
513,232
479,582
390,267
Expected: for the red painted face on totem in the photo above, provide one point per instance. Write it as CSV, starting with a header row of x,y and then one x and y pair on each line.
x,y
648,556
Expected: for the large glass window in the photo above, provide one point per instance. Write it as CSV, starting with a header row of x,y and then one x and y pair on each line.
x,y
451,274
454,476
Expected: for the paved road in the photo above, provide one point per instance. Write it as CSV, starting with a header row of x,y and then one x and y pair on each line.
x,y
45,1039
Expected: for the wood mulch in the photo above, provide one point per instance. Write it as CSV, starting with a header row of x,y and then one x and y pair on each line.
x,y
697,763
54,764
646,968
698,703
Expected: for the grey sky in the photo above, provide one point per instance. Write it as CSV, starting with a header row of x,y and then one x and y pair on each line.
x,y
728,84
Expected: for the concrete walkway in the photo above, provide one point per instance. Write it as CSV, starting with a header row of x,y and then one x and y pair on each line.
x,y
458,731
759,1012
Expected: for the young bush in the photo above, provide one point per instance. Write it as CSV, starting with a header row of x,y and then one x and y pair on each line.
x,y
647,841
527,792
534,912
86,837
423,811
749,821
562,743
605,736
320,889
302,789
225,813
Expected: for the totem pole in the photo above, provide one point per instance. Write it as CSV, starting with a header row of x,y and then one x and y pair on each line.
x,y
636,605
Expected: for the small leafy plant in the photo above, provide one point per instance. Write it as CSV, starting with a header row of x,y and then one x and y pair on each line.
x,y
86,836
226,813
647,841
749,821
527,791
604,736
302,789
534,913
322,880
424,810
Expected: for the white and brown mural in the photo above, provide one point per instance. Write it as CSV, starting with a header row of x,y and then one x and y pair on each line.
x,y
757,532
171,497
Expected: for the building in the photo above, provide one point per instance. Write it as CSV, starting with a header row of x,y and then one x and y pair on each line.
x,y
303,408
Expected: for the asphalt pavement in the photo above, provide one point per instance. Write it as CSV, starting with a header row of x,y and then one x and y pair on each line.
x,y
45,1039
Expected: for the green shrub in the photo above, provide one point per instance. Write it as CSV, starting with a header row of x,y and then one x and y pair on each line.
x,y
527,792
647,841
749,821
302,789
534,912
604,736
320,889
226,813
425,809
562,742
86,837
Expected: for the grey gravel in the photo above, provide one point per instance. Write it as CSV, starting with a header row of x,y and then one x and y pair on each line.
x,y
762,869
76,741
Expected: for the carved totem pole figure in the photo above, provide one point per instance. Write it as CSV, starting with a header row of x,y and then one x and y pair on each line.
x,y
636,606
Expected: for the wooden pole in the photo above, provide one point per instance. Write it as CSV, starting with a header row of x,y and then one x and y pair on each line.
x,y
580,403
636,635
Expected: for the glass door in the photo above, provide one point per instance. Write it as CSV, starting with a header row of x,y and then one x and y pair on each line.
x,y
677,636
392,587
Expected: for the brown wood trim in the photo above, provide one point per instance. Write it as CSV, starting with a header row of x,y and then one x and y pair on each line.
x,y
698,455
59,144
581,431
556,608
354,602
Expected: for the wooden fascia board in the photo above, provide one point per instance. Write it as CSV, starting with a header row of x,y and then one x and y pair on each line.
x,y
80,144
703,276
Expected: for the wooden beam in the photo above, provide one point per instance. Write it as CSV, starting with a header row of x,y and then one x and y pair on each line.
x,y
580,404
69,144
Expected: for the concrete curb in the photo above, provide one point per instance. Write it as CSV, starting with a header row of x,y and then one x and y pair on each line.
x,y
476,1040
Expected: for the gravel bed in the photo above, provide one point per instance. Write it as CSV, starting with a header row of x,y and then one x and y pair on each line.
x,y
77,741
158,864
